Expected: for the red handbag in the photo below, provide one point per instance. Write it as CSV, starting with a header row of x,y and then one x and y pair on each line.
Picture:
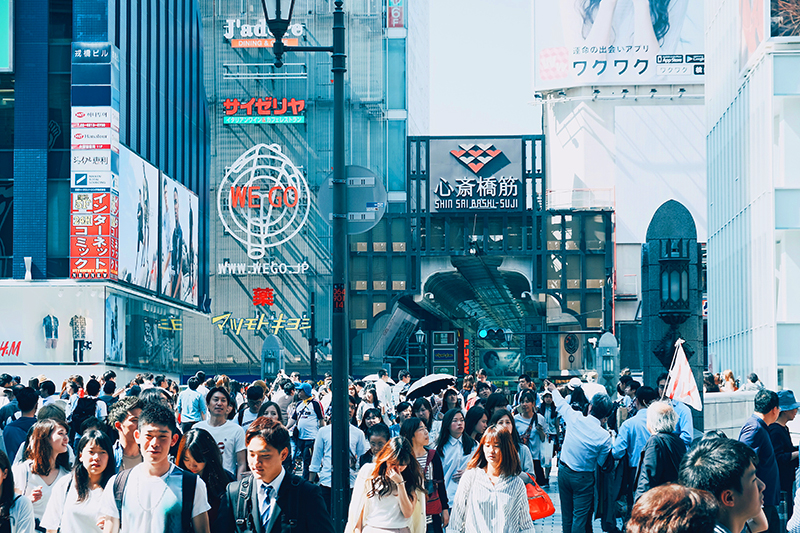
x,y
539,503
433,505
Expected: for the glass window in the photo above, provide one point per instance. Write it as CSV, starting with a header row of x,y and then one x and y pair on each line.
x,y
58,218
595,232
6,227
396,74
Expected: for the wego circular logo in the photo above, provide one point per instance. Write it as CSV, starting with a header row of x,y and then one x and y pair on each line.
x,y
263,200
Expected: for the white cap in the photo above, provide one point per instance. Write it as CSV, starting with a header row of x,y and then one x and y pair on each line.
x,y
575,383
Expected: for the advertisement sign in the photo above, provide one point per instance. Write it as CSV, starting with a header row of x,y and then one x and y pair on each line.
x,y
595,43
263,200
244,35
179,241
501,363
94,235
138,221
6,36
444,355
264,111
395,16
51,325
476,174
115,329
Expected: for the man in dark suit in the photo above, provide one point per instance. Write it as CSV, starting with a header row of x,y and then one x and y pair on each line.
x,y
755,433
272,500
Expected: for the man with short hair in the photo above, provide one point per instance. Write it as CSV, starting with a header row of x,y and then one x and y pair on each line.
x,y
12,407
752,383
201,379
483,376
109,387
401,389
155,492
191,406
483,391
284,397
277,497
727,469
586,447
631,440
249,411
383,390
685,426
124,418
49,395
523,384
755,433
786,453
15,432
227,434
308,417
322,459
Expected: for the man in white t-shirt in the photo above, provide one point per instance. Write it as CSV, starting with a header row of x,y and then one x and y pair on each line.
x,y
152,498
227,433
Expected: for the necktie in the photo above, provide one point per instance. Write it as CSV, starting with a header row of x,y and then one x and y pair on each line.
x,y
266,504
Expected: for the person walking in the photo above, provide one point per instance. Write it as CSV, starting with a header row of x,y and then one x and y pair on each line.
x,y
530,425
437,510
389,496
551,429
503,419
661,456
227,433
47,461
786,453
491,496
755,433
191,405
72,508
16,512
198,453
586,446
454,447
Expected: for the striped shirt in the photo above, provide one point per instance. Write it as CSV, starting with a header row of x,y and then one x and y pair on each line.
x,y
481,506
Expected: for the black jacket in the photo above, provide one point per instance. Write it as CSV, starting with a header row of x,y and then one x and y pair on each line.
x,y
300,508
659,463
782,444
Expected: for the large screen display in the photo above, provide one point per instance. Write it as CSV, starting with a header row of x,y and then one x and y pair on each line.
x,y
601,42
179,242
138,221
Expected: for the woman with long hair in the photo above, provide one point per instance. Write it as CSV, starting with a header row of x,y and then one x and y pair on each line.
x,y
503,419
371,417
75,499
491,496
388,495
16,512
271,410
371,401
437,509
199,454
450,400
47,461
454,447
475,422
421,408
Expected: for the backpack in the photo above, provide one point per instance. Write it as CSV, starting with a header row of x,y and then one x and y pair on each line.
x,y
240,499
188,484
84,408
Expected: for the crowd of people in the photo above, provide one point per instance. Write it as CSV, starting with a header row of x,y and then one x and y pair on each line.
x,y
221,456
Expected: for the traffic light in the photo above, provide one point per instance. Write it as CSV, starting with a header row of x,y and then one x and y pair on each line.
x,y
492,335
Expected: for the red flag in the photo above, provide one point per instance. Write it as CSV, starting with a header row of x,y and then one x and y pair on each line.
x,y
681,384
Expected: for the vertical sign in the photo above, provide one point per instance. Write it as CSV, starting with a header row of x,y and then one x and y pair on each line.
x,y
94,162
394,17
6,36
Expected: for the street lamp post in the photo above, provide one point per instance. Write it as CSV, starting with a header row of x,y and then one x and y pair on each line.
x,y
278,14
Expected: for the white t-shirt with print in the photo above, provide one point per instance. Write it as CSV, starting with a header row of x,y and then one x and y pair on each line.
x,y
26,482
152,504
534,442
65,512
307,420
230,439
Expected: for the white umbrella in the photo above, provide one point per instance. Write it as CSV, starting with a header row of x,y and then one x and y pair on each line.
x,y
430,384
375,377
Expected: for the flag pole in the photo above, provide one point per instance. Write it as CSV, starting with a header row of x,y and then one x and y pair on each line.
x,y
671,366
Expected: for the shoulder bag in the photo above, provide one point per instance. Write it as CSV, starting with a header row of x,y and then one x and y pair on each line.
x,y
539,503
433,504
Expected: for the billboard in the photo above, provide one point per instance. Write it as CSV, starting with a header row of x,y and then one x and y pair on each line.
x,y
115,329
501,363
591,43
476,174
179,242
138,221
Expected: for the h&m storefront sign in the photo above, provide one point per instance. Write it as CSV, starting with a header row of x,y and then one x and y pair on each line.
x,y
476,174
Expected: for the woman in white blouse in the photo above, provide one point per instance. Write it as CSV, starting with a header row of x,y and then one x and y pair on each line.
x,y
75,499
454,448
388,495
47,461
491,495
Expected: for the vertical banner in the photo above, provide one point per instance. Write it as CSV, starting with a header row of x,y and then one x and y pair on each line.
x,y
94,162
6,36
395,14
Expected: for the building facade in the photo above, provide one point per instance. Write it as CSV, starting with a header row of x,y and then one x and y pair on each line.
x,y
105,141
272,127
752,110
